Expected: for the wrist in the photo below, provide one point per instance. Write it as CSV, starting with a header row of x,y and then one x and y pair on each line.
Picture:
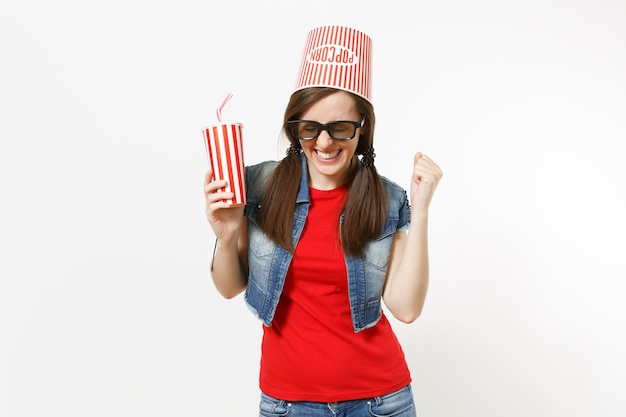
x,y
225,243
419,214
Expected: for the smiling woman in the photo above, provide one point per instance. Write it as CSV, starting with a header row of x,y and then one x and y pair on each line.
x,y
322,241
329,160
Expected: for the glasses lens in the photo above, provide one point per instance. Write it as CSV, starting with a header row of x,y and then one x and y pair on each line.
x,y
305,130
342,130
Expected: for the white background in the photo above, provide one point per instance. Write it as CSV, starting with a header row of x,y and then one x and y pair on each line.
x,y
106,304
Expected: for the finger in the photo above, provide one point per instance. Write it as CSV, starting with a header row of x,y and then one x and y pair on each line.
x,y
208,176
214,186
428,165
427,173
427,161
426,169
424,160
218,201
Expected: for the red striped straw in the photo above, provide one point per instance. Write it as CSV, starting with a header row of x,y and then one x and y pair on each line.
x,y
219,109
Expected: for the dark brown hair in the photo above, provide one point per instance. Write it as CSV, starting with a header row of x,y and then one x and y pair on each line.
x,y
365,207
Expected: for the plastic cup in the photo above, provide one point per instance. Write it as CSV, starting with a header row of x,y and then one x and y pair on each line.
x,y
224,147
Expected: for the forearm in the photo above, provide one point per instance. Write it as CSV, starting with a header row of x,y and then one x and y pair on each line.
x,y
407,285
227,270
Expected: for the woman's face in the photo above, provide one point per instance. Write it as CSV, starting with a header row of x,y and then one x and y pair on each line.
x,y
329,160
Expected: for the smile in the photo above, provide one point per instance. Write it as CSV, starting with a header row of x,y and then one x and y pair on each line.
x,y
328,155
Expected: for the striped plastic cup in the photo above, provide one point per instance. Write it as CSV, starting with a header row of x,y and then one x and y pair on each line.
x,y
224,147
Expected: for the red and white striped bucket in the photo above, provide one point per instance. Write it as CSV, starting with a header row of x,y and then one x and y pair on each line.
x,y
224,147
339,57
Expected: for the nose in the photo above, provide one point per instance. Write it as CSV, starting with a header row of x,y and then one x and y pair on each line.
x,y
324,140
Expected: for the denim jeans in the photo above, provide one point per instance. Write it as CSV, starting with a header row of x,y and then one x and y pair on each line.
x,y
396,404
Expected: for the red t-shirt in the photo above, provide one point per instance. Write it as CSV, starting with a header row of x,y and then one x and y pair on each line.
x,y
310,352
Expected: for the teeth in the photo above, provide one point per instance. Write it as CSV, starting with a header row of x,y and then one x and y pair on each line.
x,y
325,155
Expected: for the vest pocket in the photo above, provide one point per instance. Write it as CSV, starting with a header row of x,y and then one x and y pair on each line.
x,y
259,245
377,252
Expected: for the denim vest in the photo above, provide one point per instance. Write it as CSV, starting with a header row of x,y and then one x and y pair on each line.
x,y
268,262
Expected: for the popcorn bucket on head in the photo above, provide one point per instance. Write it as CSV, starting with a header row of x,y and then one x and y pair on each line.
x,y
224,147
338,57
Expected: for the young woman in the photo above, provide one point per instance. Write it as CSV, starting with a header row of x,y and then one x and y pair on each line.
x,y
322,240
